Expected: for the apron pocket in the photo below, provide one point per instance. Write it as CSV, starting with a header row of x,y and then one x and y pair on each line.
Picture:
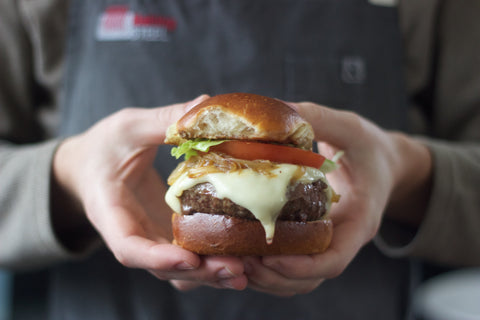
x,y
333,81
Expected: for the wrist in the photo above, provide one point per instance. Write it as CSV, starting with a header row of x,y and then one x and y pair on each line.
x,y
413,178
69,222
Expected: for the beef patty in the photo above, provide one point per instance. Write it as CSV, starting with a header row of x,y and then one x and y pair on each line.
x,y
306,202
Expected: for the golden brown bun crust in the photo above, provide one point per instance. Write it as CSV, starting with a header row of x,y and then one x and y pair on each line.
x,y
209,234
242,116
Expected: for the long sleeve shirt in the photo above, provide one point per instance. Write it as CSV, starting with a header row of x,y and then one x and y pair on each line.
x,y
442,64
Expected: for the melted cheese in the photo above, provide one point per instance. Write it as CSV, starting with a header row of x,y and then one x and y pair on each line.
x,y
264,196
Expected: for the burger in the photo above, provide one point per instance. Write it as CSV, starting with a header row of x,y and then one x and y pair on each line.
x,y
250,183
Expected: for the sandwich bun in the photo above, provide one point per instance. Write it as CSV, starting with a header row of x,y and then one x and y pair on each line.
x,y
226,203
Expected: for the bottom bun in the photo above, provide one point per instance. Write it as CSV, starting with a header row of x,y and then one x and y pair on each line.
x,y
209,234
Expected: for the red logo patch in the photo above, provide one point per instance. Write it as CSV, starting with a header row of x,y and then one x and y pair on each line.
x,y
119,23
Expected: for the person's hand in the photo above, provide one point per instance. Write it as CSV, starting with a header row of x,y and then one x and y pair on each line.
x,y
108,171
378,167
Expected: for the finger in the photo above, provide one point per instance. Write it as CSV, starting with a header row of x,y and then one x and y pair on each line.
x,y
168,115
139,252
346,243
215,268
238,283
121,220
126,235
265,279
196,101
218,272
301,267
141,126
208,272
330,125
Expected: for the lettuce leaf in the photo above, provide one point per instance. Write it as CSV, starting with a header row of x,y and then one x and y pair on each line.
x,y
330,165
190,147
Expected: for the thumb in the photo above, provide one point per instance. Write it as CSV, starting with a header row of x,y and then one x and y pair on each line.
x,y
170,114
149,126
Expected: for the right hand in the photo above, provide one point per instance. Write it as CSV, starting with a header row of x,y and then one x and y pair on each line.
x,y
108,171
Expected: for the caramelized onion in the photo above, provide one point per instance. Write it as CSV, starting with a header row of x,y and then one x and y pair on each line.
x,y
211,162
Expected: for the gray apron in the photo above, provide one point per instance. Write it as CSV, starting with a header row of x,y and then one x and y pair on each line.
x,y
345,54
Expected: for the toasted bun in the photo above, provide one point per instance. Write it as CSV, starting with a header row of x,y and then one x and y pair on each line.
x,y
209,234
242,116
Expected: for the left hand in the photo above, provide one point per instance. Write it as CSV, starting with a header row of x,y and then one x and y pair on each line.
x,y
377,166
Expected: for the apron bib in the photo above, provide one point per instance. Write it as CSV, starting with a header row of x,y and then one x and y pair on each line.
x,y
345,54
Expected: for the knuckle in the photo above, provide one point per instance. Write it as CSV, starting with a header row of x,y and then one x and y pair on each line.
x,y
121,120
356,122
126,112
372,232
364,129
123,259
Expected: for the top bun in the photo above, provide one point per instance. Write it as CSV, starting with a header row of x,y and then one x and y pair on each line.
x,y
242,116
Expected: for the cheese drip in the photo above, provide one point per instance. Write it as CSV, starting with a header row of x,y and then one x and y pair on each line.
x,y
264,196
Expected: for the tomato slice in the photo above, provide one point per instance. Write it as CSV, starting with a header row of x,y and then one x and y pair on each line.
x,y
247,150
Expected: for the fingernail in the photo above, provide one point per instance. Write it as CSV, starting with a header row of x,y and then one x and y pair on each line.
x,y
195,101
225,273
227,284
292,105
184,266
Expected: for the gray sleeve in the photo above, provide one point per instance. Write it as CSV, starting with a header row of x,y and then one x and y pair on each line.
x,y
443,63
32,35
26,235
449,233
